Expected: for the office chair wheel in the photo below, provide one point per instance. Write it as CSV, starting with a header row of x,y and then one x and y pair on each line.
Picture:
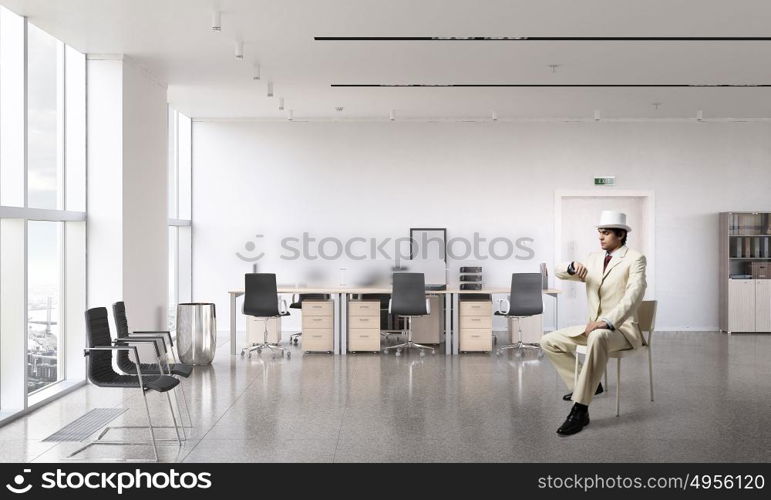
x,y
248,355
517,353
540,354
398,352
242,354
433,351
422,354
497,352
289,355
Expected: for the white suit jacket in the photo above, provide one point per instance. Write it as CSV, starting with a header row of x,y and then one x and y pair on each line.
x,y
614,294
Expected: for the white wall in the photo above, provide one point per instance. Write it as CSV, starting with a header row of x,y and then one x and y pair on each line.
x,y
127,191
379,179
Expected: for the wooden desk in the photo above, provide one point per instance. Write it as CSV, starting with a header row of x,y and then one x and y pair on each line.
x,y
340,296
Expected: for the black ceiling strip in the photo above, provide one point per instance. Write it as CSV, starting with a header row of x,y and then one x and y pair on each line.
x,y
542,38
557,85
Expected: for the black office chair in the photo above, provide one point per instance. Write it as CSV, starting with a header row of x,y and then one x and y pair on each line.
x,y
297,303
164,336
101,373
526,300
408,299
261,301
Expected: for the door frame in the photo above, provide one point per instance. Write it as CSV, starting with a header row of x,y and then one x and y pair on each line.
x,y
648,195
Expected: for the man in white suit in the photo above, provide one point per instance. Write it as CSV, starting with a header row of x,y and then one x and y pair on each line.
x,y
615,286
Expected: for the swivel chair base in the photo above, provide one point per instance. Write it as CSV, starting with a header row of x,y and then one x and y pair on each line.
x,y
520,346
266,345
410,344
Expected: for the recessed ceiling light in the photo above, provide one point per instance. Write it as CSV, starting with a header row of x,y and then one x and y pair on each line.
x,y
597,114
270,89
699,115
494,116
290,115
256,74
554,67
338,108
238,50
216,21
281,104
392,115
656,105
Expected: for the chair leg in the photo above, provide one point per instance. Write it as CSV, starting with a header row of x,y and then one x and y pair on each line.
x,y
575,373
606,376
618,387
650,370
174,419
150,424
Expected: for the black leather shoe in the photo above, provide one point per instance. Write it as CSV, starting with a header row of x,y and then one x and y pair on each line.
x,y
576,421
569,395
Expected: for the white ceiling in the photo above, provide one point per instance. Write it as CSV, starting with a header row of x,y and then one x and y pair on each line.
x,y
172,39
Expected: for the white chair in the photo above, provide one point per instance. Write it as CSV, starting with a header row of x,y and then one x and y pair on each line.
x,y
646,317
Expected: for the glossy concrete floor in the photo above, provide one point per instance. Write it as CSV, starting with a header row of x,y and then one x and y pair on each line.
x,y
713,403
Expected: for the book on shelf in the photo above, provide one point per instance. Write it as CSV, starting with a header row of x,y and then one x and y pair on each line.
x,y
765,248
746,247
757,247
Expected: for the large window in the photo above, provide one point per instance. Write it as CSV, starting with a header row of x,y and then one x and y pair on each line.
x,y
42,215
180,212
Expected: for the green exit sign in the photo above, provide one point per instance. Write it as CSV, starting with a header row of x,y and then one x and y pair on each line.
x,y
605,181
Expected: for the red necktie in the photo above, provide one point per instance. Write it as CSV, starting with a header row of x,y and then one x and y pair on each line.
x,y
607,259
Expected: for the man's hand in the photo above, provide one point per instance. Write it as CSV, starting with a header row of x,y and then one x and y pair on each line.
x,y
594,325
580,269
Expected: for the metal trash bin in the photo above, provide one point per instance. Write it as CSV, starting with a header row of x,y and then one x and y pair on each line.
x,y
196,332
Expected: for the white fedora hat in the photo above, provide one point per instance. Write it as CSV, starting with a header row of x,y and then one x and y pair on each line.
x,y
610,219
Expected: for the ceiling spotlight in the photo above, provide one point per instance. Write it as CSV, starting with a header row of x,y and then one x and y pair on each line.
x,y
216,21
699,115
494,116
281,104
270,89
290,115
256,75
656,105
597,115
239,49
554,67
392,115
338,108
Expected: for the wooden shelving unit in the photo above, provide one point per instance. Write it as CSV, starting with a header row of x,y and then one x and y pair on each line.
x,y
745,260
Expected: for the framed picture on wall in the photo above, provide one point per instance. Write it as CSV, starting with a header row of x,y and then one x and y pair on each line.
x,y
430,243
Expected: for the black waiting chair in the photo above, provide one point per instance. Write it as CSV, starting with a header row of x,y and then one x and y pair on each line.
x,y
526,300
261,301
297,303
408,299
101,373
164,337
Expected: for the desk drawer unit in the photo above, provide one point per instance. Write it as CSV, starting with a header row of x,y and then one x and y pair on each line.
x,y
317,308
317,322
364,326
476,326
318,326
480,340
